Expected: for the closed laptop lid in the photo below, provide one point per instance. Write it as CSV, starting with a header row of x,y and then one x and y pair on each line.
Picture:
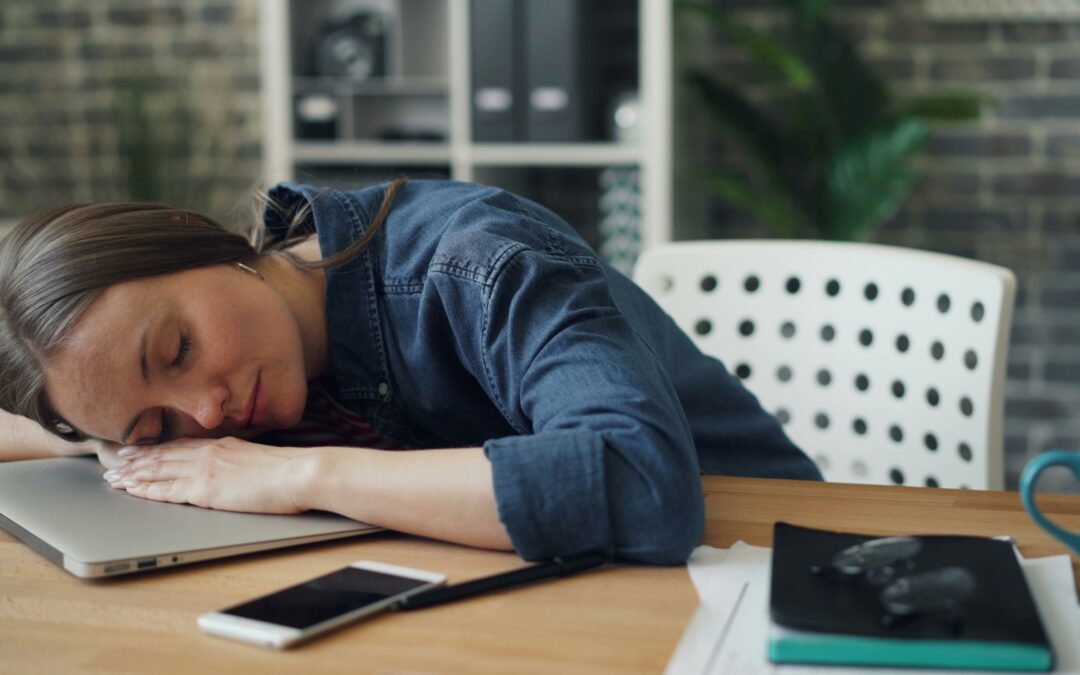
x,y
63,509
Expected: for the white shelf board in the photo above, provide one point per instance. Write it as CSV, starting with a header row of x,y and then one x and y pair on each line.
x,y
371,152
391,86
553,154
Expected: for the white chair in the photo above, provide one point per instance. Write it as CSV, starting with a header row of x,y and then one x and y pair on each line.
x,y
886,365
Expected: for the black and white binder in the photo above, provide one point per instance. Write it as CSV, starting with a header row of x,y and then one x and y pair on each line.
x,y
496,96
555,67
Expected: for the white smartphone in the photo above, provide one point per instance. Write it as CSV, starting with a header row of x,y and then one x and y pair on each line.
x,y
299,612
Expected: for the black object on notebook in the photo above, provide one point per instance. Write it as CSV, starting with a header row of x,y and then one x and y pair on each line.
x,y
928,601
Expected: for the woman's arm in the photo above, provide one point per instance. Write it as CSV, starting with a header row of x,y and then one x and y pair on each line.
x,y
604,459
444,494
21,438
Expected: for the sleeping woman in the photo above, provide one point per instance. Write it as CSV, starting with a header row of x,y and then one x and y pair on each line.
x,y
439,358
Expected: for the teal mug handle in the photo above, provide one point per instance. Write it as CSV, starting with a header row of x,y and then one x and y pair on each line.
x,y
1027,492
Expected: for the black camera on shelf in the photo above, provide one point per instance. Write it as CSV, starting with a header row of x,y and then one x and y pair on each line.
x,y
354,47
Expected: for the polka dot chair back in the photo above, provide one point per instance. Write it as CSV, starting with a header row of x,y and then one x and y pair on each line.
x,y
886,365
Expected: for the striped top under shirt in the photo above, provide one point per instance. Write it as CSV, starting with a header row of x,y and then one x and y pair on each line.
x,y
327,422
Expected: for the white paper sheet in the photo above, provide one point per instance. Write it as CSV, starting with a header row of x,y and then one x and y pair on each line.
x,y
728,633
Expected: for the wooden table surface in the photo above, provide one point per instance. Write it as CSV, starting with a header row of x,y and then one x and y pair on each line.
x,y
623,619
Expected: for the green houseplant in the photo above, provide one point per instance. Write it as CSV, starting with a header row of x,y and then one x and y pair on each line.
x,y
829,153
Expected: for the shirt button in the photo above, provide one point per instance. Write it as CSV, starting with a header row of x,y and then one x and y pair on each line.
x,y
383,388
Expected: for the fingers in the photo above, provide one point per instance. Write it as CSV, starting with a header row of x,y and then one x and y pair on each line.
x,y
153,478
180,447
107,454
172,451
175,491
135,464
130,452
149,466
149,469
161,491
226,473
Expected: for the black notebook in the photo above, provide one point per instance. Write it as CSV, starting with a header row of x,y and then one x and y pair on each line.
x,y
928,601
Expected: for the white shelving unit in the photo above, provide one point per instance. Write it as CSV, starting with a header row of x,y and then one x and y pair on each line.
x,y
462,158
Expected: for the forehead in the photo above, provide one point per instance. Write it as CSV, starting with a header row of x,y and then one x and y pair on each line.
x,y
95,379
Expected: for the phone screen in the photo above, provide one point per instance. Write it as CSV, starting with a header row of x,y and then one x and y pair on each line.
x,y
326,597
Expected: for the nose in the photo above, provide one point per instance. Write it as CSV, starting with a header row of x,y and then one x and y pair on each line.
x,y
208,407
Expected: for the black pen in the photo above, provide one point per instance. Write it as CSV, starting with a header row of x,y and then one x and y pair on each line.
x,y
559,567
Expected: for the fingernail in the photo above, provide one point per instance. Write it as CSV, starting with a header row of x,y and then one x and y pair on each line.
x,y
127,452
111,475
129,483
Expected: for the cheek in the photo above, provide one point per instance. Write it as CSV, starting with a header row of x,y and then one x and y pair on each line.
x,y
257,326
290,397
230,339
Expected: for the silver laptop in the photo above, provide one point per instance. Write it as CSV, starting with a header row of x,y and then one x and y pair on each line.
x,y
64,510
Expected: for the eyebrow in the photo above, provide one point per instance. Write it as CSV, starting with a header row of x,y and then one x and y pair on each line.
x,y
144,367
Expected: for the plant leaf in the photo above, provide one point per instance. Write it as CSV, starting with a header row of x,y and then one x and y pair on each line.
x,y
807,11
751,127
767,52
850,98
772,207
868,181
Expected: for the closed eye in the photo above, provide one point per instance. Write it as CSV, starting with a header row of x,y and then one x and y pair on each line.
x,y
182,352
166,426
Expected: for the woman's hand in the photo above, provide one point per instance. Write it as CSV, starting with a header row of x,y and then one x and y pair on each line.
x,y
229,474
106,453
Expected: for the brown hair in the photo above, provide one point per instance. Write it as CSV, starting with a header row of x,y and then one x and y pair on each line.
x,y
55,263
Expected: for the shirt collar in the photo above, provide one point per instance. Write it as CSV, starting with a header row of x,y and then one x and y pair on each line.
x,y
354,326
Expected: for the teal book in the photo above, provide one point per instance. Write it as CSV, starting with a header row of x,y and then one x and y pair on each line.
x,y
949,602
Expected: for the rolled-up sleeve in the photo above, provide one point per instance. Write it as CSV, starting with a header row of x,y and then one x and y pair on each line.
x,y
605,461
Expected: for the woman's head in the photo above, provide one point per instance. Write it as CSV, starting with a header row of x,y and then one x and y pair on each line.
x,y
117,320
76,281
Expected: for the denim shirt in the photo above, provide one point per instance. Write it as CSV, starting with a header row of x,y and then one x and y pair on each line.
x,y
479,318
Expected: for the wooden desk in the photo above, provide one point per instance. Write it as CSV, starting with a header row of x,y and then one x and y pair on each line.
x,y
620,620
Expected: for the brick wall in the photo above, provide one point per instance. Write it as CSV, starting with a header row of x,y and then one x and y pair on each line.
x,y
72,75
1004,190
